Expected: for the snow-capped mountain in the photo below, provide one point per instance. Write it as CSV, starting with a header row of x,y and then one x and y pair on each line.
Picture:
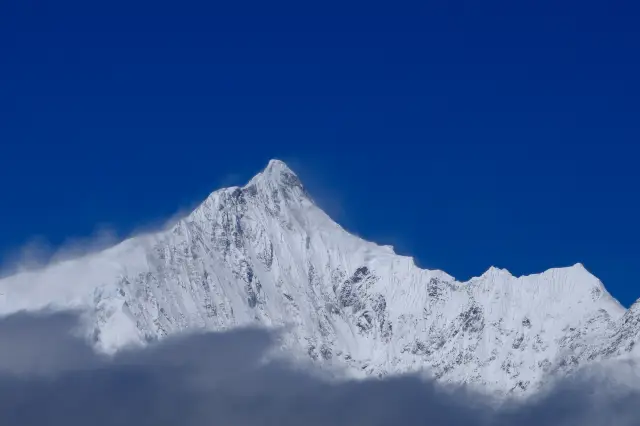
x,y
266,254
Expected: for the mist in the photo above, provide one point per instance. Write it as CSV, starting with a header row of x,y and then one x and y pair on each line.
x,y
51,376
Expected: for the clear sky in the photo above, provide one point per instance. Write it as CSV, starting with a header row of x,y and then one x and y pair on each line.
x,y
466,135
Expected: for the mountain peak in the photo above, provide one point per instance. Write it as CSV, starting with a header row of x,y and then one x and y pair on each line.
x,y
579,267
277,176
277,165
277,172
494,271
577,270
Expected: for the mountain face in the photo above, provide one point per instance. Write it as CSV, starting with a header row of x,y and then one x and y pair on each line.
x,y
266,254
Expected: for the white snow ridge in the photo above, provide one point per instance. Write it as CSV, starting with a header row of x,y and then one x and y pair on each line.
x,y
266,254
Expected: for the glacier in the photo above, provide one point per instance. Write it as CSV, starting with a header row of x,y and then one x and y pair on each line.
x,y
265,254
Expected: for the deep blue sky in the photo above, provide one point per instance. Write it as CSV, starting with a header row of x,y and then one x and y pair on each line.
x,y
467,135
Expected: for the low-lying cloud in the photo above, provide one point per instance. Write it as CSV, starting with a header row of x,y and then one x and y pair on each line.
x,y
50,377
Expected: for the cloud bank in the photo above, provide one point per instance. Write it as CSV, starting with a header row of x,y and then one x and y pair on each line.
x,y
48,376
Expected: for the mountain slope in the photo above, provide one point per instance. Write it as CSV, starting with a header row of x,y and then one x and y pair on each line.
x,y
266,254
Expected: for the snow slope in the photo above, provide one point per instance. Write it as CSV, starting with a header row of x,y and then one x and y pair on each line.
x,y
266,254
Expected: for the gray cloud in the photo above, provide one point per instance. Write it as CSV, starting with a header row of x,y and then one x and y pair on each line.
x,y
42,344
50,377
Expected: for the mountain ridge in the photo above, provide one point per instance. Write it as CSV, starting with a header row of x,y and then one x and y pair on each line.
x,y
265,254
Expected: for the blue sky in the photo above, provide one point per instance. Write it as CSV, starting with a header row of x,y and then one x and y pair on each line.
x,y
467,135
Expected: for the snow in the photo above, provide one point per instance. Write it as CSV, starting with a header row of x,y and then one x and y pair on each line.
x,y
265,254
